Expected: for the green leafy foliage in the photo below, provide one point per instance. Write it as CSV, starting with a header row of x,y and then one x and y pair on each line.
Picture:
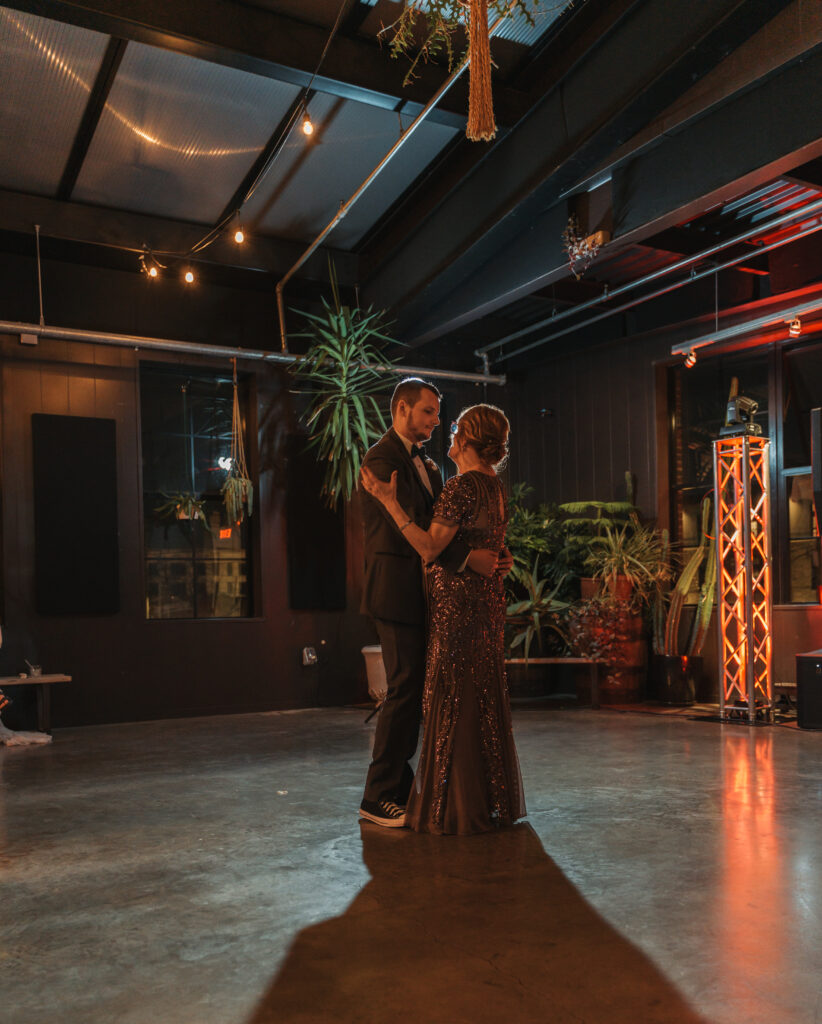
x,y
634,552
339,372
531,616
669,607
182,506
426,30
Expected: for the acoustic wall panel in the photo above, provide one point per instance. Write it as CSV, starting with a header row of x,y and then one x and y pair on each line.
x,y
316,535
75,515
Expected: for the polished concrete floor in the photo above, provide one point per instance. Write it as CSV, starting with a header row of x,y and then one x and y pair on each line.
x,y
212,871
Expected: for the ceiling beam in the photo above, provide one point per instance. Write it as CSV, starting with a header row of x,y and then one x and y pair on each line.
x,y
119,230
496,237
276,46
91,116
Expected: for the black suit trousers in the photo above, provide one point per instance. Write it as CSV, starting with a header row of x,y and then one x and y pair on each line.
x,y
403,650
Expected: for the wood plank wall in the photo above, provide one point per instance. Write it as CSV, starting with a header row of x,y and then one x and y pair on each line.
x,y
127,668
583,418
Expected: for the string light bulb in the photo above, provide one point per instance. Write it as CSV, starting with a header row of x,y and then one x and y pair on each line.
x,y
189,276
307,125
690,359
239,236
149,266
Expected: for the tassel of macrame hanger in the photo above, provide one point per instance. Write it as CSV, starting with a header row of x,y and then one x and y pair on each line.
x,y
481,125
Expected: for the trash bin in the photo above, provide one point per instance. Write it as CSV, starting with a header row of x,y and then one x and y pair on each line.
x,y
375,670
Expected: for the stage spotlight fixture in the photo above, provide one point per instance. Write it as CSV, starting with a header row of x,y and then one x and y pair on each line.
x,y
690,359
795,327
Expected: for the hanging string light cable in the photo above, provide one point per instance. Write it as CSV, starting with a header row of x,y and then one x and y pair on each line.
x,y
299,114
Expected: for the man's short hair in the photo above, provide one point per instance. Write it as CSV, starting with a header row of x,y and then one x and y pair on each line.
x,y
408,390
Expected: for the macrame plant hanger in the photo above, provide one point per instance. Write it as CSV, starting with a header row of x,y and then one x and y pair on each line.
x,y
481,124
238,489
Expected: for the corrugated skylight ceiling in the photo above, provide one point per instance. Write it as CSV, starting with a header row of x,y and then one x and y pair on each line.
x,y
178,134
311,177
46,73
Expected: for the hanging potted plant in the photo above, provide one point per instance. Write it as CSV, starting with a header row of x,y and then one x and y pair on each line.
x,y
238,489
342,372
678,666
440,24
183,505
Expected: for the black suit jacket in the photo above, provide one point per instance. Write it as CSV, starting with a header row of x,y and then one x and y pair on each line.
x,y
393,586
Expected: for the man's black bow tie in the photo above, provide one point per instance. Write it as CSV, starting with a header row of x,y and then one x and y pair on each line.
x,y
417,452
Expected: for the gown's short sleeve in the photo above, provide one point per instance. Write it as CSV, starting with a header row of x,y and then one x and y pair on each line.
x,y
457,503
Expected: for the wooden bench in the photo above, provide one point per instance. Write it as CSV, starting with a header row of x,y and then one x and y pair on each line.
x,y
43,694
593,667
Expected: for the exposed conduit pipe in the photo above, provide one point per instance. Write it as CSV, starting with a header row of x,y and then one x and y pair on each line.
x,y
136,341
672,287
682,348
346,206
786,218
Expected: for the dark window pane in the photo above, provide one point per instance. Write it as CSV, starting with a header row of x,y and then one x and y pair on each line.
x,y
803,540
803,392
196,567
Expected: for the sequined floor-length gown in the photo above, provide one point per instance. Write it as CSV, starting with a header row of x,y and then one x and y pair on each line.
x,y
468,778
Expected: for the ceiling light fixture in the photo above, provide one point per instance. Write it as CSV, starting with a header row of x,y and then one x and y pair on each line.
x,y
149,265
795,327
690,359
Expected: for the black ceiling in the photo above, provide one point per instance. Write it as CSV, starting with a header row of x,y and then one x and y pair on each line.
x,y
146,124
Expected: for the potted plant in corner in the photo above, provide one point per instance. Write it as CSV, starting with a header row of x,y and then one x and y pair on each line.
x,y
628,567
678,666
534,593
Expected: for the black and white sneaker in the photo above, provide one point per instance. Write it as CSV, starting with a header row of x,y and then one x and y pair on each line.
x,y
383,812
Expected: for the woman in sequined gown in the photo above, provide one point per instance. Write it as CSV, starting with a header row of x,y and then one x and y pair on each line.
x,y
468,778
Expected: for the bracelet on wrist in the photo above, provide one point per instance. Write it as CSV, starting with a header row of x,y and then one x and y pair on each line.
x,y
404,525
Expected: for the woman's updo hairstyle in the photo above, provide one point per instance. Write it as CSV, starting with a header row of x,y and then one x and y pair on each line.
x,y
485,428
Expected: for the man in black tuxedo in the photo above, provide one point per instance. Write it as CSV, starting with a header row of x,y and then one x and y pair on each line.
x,y
394,594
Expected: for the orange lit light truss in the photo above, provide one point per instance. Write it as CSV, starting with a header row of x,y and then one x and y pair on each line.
x,y
743,577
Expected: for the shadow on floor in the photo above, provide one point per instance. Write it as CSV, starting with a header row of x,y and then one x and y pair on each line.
x,y
467,929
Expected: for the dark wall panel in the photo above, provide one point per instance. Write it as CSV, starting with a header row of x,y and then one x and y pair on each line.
x,y
75,515
316,535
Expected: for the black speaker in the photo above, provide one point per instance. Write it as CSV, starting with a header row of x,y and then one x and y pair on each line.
x,y
809,690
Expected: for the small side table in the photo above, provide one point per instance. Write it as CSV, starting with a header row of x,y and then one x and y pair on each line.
x,y
43,694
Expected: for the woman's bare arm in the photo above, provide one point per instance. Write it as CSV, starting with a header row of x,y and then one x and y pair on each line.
x,y
428,543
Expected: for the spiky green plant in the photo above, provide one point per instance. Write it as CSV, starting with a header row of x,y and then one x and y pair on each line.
x,y
340,373
537,612
633,552
666,638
